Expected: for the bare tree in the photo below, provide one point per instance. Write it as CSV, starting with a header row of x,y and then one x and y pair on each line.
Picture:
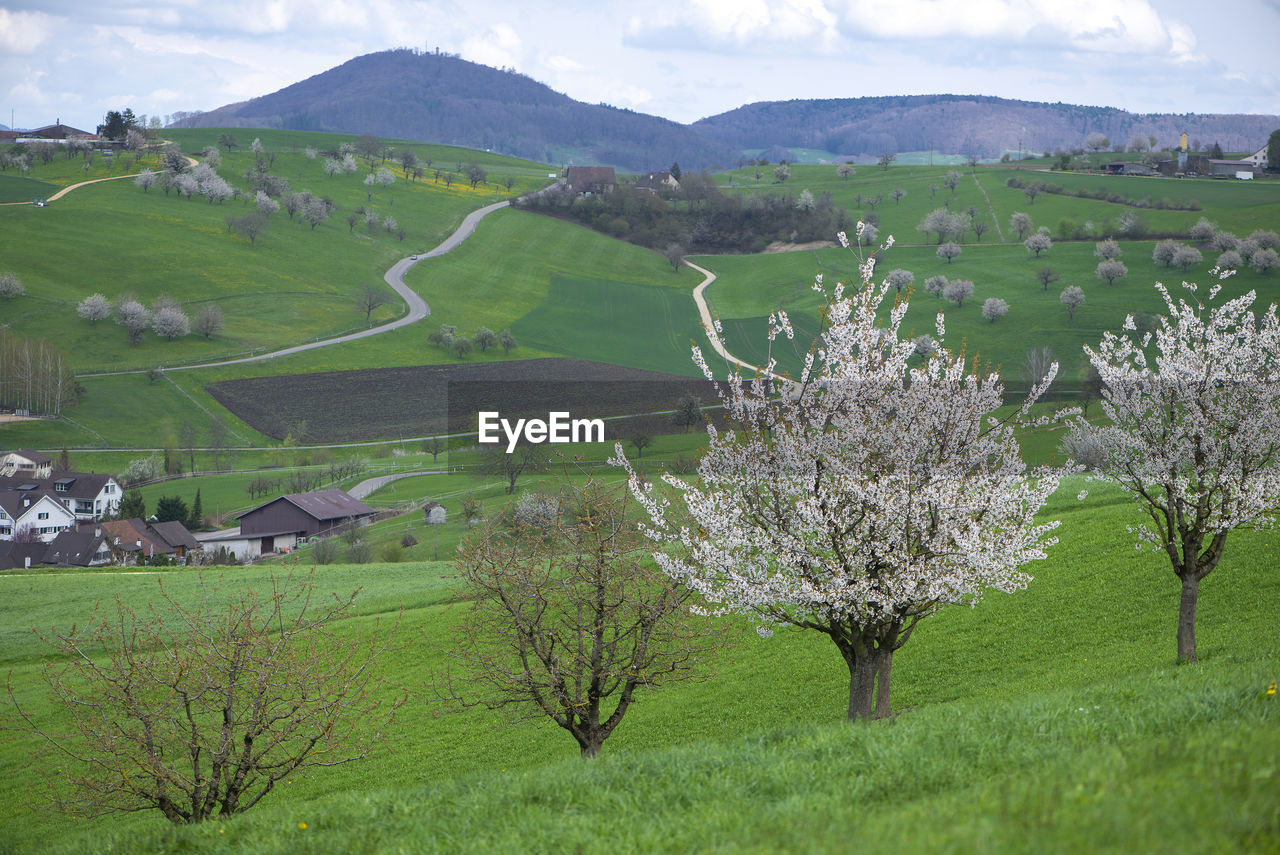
x,y
674,254
197,710
524,458
1047,276
1037,364
208,320
369,299
252,225
571,620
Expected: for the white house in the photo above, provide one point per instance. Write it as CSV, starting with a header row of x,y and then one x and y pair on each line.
x,y
89,496
39,511
1258,158
25,463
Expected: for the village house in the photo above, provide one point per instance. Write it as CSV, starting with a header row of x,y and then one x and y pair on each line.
x,y
583,180
89,546
135,541
25,463
32,513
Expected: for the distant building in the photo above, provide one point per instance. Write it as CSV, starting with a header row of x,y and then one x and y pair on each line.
x,y
661,182
134,541
1258,158
434,513
1129,167
591,179
1231,168
55,133
35,510
88,496
88,546
25,463
281,522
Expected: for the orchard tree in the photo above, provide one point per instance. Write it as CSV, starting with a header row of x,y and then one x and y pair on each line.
x,y
900,279
1165,251
369,299
134,317
994,308
11,286
957,291
170,322
1107,250
949,250
1203,231
146,179
1047,276
1185,256
1021,223
1111,270
94,308
1097,142
858,498
1193,431
484,339
1265,260
508,342
1073,298
1038,243
935,285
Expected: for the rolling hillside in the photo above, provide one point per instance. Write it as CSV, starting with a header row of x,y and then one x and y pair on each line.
x,y
444,99
965,124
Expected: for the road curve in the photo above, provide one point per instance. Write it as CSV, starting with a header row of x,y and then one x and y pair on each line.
x,y
708,326
418,308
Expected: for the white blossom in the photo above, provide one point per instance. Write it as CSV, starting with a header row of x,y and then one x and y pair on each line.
x,y
859,498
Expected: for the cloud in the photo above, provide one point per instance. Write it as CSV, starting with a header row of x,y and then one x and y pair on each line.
x,y
22,33
499,46
562,64
827,26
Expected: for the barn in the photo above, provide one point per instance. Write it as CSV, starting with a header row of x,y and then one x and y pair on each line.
x,y
299,515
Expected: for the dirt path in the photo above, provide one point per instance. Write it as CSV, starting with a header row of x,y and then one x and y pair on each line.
x,y
708,326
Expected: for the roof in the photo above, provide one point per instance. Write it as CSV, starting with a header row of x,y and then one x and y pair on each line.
x,y
78,485
77,548
12,502
36,457
175,534
322,505
13,555
582,175
130,532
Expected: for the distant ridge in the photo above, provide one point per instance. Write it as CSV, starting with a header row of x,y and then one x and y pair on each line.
x,y
966,124
408,94
437,97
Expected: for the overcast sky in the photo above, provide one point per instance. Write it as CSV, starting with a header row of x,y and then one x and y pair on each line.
x,y
681,59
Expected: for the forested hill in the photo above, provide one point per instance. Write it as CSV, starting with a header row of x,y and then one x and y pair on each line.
x,y
407,94
963,124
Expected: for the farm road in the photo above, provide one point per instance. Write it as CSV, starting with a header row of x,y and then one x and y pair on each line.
x,y
369,486
418,308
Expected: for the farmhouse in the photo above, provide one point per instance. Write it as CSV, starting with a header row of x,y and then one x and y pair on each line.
x,y
25,463
658,182
33,510
88,496
135,541
282,521
84,547
591,179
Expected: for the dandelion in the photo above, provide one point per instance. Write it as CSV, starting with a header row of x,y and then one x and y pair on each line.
x,y
302,826
1271,690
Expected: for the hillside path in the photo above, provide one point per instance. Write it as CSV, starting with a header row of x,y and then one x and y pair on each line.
x,y
369,486
418,308
708,326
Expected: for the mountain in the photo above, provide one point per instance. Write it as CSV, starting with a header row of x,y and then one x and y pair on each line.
x,y
966,124
436,97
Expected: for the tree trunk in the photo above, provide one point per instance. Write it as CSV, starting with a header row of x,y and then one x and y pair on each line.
x,y
590,744
862,685
1187,619
884,664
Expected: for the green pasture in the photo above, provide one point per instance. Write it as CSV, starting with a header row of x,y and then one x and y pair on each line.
x,y
1236,206
295,285
1051,719
749,287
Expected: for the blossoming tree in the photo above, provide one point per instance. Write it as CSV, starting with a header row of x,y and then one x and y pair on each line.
x,y
859,497
1194,431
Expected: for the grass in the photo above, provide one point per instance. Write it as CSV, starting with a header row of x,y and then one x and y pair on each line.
x,y
1048,720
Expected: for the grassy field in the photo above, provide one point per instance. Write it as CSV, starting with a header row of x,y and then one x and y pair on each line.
x,y
1050,720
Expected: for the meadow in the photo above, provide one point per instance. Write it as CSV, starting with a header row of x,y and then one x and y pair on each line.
x,y
1048,720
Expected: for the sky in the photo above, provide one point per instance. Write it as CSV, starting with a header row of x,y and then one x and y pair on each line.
x,y
681,59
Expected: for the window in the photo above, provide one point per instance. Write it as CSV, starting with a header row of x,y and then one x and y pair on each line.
x,y
43,515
